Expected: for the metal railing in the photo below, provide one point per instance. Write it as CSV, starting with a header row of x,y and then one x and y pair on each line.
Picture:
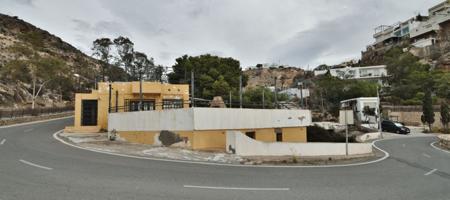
x,y
198,103
24,112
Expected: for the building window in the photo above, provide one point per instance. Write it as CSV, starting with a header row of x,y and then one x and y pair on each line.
x,y
279,134
250,134
133,105
172,103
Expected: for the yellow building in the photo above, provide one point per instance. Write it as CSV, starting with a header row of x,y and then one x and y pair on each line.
x,y
91,109
165,107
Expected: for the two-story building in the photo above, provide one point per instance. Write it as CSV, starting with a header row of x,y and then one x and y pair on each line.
x,y
92,109
114,107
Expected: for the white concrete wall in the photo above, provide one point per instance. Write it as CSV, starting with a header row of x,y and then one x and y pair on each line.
x,y
245,146
207,119
220,118
156,120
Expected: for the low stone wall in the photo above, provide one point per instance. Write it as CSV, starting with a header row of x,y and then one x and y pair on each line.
x,y
444,141
242,145
412,118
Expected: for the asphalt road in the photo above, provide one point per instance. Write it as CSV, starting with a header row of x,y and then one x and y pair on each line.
x,y
33,165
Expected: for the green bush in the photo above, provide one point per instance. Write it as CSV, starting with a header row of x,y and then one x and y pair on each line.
x,y
318,134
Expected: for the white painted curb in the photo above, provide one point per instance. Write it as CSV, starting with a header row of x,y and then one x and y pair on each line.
x,y
433,144
386,155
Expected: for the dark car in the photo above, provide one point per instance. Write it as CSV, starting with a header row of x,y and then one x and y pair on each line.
x,y
394,127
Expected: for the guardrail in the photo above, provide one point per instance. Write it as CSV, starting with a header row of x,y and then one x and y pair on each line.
x,y
23,112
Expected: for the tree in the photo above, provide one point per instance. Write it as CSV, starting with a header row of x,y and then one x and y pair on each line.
x,y
125,49
427,109
333,90
43,71
252,98
16,70
102,50
143,67
158,73
445,115
207,70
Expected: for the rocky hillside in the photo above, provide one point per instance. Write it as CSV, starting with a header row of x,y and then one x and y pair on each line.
x,y
286,77
21,42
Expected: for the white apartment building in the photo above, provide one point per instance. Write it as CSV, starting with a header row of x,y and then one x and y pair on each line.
x,y
422,30
363,73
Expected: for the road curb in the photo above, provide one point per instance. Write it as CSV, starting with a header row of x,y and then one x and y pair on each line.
x,y
386,155
433,144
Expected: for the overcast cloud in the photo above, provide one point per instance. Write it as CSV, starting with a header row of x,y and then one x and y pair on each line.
x,y
294,32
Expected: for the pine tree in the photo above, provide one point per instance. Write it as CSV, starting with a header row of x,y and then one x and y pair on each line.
x,y
427,108
445,115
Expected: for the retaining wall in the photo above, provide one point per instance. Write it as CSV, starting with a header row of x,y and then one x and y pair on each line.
x,y
245,146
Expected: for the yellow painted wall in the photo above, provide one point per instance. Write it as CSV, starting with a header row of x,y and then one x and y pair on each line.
x,y
297,134
265,135
127,90
140,137
209,140
216,139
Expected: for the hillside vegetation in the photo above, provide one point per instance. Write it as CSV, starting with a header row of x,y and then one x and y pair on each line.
x,y
32,58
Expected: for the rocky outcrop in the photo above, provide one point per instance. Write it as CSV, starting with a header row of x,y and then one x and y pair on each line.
x,y
286,77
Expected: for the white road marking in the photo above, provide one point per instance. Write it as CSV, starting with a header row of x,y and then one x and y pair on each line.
x,y
35,165
386,155
426,155
433,144
3,142
430,172
235,188
28,130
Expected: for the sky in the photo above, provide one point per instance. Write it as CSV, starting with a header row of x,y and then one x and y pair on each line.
x,y
302,33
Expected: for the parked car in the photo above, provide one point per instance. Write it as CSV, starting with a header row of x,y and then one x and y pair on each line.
x,y
394,127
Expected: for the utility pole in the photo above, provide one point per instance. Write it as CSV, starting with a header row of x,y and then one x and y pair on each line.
x,y
230,100
301,94
117,101
276,95
240,91
109,97
321,99
192,89
140,91
263,99
346,132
